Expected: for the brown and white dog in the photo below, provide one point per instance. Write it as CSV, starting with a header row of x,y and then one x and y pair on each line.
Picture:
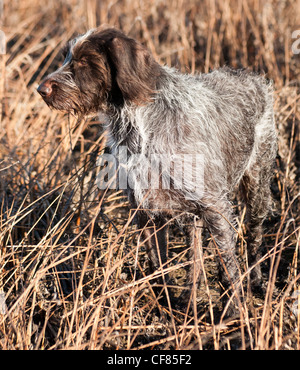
x,y
225,117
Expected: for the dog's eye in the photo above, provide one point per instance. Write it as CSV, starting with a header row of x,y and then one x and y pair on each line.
x,y
82,62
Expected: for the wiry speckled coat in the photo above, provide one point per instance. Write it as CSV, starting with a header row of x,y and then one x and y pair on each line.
x,y
225,116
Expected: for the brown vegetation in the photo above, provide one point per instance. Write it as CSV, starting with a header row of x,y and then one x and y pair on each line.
x,y
73,273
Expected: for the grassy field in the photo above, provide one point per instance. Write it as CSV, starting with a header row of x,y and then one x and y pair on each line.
x,y
73,271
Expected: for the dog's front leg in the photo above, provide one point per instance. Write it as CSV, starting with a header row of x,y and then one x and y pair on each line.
x,y
153,234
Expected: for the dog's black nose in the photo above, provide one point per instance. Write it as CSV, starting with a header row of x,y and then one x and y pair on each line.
x,y
45,88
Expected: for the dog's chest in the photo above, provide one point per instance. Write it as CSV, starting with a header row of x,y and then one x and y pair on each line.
x,y
124,136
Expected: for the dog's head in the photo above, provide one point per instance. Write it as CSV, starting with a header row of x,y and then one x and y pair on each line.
x,y
101,68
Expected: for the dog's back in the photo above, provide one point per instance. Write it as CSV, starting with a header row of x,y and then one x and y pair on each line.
x,y
223,116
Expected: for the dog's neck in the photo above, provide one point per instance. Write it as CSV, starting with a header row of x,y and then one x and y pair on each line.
x,y
135,125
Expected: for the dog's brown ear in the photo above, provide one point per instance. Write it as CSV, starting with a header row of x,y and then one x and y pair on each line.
x,y
136,71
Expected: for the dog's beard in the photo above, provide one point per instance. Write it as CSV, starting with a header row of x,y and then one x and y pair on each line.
x,y
72,100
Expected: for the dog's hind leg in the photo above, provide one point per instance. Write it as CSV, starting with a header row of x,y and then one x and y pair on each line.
x,y
257,193
258,197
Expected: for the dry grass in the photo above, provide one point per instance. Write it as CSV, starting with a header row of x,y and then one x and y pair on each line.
x,y
73,272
